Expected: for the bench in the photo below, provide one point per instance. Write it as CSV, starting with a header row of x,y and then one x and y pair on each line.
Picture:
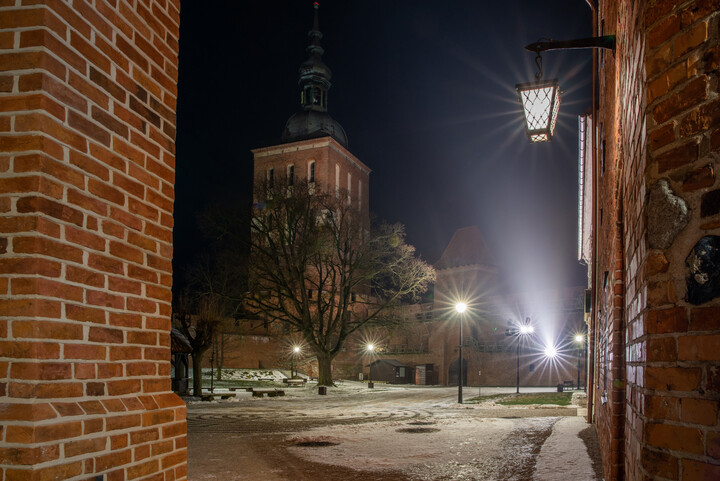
x,y
233,389
269,392
568,385
294,382
211,396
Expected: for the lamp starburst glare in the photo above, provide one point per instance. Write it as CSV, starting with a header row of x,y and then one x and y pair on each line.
x,y
526,329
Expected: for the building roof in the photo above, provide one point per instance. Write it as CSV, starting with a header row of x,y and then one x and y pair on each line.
x,y
178,342
467,247
392,362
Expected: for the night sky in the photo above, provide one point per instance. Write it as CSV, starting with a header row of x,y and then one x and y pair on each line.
x,y
426,93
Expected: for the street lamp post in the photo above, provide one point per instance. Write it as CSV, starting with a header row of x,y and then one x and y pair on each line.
x,y
295,352
370,348
520,332
460,307
580,339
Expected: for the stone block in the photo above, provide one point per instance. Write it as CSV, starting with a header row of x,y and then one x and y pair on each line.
x,y
667,215
703,280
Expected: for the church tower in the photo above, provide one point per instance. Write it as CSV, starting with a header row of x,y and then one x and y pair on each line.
x,y
313,144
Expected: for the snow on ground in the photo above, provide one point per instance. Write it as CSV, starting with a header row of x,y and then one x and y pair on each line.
x,y
410,447
420,431
559,457
250,375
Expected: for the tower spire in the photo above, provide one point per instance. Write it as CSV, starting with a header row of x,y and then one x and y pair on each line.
x,y
314,74
313,119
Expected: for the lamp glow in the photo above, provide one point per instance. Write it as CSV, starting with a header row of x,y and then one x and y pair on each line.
x,y
460,307
296,349
541,103
550,351
371,347
579,338
526,329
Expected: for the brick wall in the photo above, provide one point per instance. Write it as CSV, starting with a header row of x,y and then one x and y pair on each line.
x,y
87,130
658,117
327,153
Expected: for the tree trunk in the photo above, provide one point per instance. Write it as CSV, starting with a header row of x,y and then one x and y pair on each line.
x,y
197,372
220,356
324,369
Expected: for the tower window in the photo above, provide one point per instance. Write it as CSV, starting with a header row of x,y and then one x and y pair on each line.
x,y
349,188
291,175
337,180
311,171
271,177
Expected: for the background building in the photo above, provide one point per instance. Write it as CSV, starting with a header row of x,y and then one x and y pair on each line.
x,y
314,145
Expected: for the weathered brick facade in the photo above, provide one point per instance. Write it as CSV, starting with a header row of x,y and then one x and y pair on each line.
x,y
87,131
657,350
334,168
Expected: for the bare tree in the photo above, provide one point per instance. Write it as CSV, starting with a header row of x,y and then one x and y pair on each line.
x,y
212,296
316,265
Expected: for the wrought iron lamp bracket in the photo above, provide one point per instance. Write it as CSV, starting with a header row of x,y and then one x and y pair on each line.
x,y
605,42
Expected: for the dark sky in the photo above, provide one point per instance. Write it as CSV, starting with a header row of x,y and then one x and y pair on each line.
x,y
426,93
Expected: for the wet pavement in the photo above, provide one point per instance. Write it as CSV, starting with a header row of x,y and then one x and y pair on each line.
x,y
407,433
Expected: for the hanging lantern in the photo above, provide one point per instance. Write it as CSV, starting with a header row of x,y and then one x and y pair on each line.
x,y
540,103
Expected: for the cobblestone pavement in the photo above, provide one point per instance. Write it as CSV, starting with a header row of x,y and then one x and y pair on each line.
x,y
414,433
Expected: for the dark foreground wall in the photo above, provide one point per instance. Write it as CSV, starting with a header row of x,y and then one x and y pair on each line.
x,y
657,295
87,131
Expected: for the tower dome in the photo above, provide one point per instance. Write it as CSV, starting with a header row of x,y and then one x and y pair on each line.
x,y
313,120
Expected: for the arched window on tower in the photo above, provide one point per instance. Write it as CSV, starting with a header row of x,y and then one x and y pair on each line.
x,y
311,172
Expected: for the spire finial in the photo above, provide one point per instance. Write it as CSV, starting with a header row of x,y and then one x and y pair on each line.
x,y
316,23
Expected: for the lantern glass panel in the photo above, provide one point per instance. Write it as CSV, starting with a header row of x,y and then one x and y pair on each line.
x,y
541,103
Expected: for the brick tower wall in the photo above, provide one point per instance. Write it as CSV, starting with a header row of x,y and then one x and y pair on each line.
x,y
657,351
87,130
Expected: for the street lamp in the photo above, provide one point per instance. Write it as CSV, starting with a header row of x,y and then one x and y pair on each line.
x,y
370,349
540,100
521,331
580,341
541,104
460,307
296,351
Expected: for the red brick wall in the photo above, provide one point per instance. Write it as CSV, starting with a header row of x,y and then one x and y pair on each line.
x,y
87,131
658,354
326,153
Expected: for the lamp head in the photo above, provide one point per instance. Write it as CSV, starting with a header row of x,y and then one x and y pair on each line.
x,y
540,102
526,329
